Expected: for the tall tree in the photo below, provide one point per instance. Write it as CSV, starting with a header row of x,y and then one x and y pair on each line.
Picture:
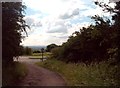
x,y
13,25
115,26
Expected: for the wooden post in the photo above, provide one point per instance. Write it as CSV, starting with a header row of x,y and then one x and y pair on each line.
x,y
42,51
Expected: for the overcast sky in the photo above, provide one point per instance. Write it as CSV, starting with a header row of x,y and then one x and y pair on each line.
x,y
53,21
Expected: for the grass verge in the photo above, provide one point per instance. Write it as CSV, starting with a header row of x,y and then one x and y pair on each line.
x,y
82,75
13,73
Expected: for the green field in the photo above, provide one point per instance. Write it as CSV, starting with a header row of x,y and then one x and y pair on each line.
x,y
39,55
82,75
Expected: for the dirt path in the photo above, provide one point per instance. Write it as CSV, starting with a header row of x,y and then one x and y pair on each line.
x,y
38,76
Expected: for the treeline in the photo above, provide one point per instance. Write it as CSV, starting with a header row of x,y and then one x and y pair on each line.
x,y
98,42
25,51
13,25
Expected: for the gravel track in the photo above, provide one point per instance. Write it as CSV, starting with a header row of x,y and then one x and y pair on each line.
x,y
39,76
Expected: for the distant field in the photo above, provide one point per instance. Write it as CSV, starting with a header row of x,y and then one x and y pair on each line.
x,y
39,55
36,57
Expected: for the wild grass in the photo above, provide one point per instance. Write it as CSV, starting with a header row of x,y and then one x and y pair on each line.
x,y
13,73
82,75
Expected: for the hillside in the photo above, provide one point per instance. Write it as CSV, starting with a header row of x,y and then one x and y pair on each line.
x,y
36,47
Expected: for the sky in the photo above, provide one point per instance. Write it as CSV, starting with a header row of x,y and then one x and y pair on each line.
x,y
53,21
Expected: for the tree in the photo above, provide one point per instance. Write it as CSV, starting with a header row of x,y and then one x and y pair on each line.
x,y
28,51
96,42
87,45
13,25
50,47
115,27
42,51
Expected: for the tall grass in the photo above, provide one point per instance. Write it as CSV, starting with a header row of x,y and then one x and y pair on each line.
x,y
101,74
13,73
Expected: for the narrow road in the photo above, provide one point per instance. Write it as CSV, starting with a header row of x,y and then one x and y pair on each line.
x,y
38,76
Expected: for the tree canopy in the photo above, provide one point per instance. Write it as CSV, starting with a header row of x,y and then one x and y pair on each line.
x,y
50,47
94,43
13,25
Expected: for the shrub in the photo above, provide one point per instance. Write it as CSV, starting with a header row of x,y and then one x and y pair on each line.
x,y
55,52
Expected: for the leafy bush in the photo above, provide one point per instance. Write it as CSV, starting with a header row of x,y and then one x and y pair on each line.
x,y
88,45
55,52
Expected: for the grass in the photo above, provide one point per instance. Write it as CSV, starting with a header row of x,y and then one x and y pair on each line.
x,y
82,75
39,55
13,73
35,57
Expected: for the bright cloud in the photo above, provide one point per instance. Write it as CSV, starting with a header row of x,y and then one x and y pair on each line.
x,y
52,6
53,21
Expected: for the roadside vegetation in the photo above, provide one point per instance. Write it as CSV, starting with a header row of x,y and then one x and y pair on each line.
x,y
90,56
80,74
13,25
95,43
13,73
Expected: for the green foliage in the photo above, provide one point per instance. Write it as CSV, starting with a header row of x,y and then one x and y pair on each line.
x,y
40,54
88,45
36,51
115,35
50,47
28,51
13,25
55,52
80,74
12,73
96,42
36,54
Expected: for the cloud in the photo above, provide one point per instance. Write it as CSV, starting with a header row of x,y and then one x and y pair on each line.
x,y
58,29
69,14
114,0
44,39
58,26
53,7
53,21
29,21
37,24
76,27
33,20
63,37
